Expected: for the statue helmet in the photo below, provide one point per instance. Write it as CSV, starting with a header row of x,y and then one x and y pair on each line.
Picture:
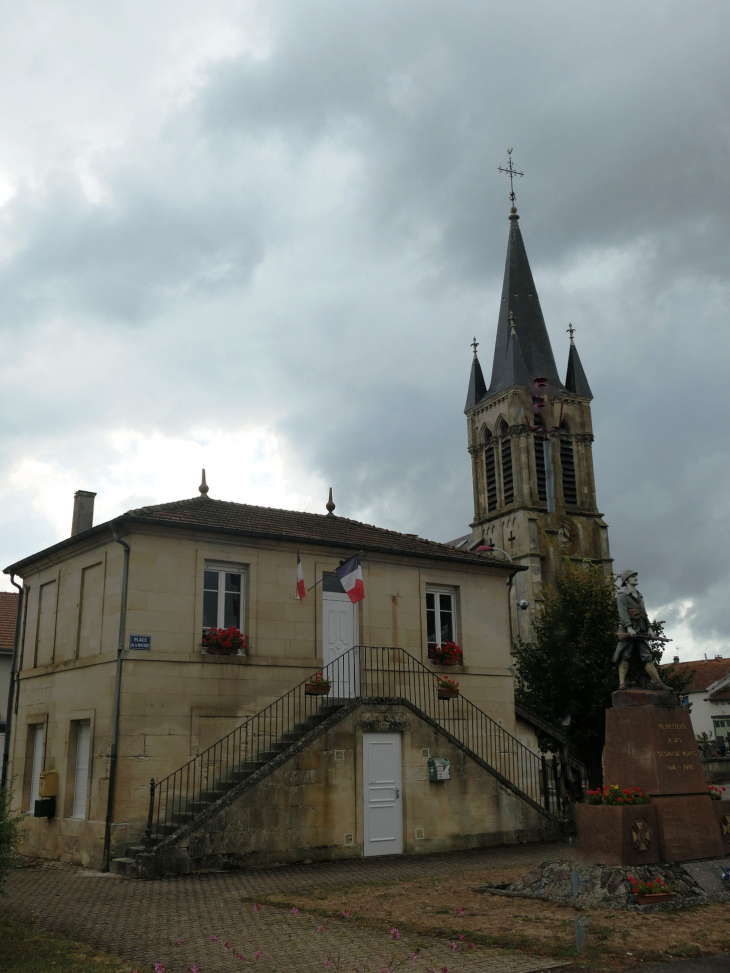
x,y
625,575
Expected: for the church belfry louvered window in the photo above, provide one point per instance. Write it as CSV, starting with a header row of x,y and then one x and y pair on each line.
x,y
508,487
567,461
538,440
490,472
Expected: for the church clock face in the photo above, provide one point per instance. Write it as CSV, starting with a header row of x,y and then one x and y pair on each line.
x,y
568,536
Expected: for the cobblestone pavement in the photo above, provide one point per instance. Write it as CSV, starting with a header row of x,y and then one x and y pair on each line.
x,y
141,921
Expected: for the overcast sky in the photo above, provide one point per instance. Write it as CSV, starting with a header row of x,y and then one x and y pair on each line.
x,y
259,237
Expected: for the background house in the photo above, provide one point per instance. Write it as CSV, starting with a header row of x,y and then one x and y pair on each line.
x,y
709,694
8,612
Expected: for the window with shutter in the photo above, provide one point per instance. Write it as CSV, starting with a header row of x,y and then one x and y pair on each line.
x,y
508,490
491,475
35,774
81,776
567,462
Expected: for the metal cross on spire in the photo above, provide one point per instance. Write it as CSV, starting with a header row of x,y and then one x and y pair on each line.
x,y
475,345
571,331
511,172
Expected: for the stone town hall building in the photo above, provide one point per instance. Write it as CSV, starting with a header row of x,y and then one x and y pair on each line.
x,y
132,747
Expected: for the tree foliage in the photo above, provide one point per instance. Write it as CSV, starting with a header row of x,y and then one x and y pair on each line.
x,y
565,673
9,821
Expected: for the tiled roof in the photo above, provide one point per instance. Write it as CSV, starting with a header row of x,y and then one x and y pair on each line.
x,y
8,611
706,672
298,526
720,695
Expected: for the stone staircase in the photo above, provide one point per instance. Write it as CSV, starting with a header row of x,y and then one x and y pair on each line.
x,y
128,864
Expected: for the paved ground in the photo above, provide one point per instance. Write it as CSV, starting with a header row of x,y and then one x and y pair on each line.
x,y
141,921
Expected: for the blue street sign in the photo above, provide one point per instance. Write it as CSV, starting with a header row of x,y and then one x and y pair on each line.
x,y
140,642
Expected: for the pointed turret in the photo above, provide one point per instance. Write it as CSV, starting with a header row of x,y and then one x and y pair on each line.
x,y
519,297
575,378
515,369
477,385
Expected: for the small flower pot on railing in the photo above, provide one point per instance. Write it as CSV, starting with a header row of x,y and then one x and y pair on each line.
x,y
225,641
318,686
447,688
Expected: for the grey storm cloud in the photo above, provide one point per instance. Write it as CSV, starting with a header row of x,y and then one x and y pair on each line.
x,y
308,237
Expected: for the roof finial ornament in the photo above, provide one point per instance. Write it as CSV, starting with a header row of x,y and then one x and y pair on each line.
x,y
571,331
330,505
512,329
203,488
475,345
511,172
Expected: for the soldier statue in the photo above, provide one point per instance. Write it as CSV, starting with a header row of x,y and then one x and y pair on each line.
x,y
634,632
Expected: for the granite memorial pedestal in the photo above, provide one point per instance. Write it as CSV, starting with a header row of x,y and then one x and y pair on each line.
x,y
650,744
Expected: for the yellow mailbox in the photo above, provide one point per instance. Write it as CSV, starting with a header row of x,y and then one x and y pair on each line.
x,y
48,784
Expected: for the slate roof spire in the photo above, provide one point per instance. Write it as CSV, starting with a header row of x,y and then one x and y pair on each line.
x,y
575,378
477,386
519,298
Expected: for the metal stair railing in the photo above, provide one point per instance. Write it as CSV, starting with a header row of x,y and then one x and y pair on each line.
x,y
362,672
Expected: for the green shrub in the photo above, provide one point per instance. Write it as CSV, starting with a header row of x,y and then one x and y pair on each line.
x,y
9,822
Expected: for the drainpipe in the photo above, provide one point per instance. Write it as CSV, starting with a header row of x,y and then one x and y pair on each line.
x,y
117,696
11,687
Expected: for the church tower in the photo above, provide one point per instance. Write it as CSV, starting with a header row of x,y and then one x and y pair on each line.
x,y
530,441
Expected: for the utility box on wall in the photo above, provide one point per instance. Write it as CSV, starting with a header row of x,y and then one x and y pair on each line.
x,y
48,784
439,768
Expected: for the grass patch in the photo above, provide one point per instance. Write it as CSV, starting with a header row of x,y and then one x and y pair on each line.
x,y
430,907
25,948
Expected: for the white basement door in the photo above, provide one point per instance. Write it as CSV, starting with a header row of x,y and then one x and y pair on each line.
x,y
81,778
383,814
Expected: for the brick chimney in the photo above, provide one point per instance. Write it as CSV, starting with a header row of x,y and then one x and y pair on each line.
x,y
83,518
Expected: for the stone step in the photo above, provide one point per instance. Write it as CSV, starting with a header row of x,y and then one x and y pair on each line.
x,y
122,866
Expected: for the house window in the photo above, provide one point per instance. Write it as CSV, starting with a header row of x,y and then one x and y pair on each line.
x,y
722,731
36,739
223,590
81,773
440,617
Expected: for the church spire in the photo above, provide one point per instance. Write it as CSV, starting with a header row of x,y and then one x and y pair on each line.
x,y
477,385
575,378
519,297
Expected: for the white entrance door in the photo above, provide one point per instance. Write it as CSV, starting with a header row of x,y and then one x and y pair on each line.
x,y
339,627
383,814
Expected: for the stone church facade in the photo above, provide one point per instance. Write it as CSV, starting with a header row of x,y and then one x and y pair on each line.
x,y
530,439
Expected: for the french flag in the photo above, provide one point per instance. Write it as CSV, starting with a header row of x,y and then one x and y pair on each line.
x,y
350,574
300,580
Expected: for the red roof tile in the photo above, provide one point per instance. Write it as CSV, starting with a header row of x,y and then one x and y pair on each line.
x,y
8,611
299,526
706,672
720,695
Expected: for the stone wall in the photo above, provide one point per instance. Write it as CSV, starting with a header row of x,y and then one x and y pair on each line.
x,y
312,804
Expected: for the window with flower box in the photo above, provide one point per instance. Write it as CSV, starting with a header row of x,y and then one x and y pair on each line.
x,y
440,617
224,587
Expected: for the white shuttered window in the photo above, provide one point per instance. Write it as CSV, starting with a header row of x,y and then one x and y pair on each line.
x,y
35,774
81,780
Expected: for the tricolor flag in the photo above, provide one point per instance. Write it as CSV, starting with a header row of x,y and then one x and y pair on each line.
x,y
350,574
300,580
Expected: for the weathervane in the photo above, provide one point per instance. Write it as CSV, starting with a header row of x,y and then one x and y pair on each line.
x,y
511,172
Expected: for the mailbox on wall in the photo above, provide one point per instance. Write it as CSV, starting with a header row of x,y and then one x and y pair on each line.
x,y
439,768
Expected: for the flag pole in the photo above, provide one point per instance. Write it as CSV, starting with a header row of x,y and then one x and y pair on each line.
x,y
323,576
